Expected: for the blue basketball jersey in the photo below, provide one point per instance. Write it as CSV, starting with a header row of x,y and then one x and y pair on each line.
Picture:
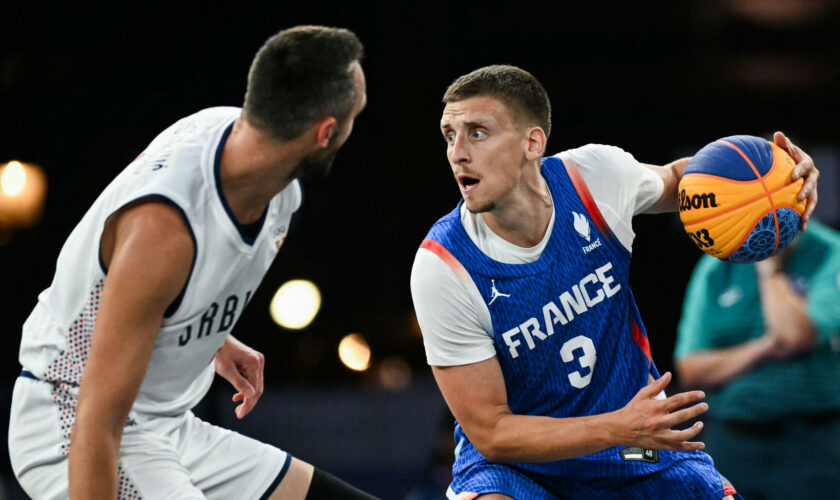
x,y
566,328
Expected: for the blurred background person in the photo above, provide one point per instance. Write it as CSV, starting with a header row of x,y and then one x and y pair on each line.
x,y
763,340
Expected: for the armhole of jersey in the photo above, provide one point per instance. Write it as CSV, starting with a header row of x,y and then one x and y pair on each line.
x,y
642,341
177,302
450,260
592,207
484,318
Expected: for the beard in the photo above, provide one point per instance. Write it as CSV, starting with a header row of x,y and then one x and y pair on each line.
x,y
317,165
488,206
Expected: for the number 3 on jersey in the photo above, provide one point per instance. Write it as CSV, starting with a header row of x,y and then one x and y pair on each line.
x,y
587,360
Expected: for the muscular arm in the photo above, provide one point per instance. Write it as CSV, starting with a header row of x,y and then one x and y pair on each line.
x,y
477,396
148,251
670,175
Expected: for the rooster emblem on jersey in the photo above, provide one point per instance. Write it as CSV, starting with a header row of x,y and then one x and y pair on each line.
x,y
581,225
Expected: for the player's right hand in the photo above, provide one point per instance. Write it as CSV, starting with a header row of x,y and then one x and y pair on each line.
x,y
805,169
243,368
647,422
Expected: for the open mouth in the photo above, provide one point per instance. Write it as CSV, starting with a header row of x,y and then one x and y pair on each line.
x,y
467,183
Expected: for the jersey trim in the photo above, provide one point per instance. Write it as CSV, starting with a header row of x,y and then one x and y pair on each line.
x,y
173,307
592,207
641,340
450,260
250,232
280,475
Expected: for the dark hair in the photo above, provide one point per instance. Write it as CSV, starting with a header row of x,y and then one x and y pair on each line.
x,y
524,96
300,75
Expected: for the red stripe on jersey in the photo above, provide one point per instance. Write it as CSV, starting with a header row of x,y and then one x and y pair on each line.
x,y
441,251
728,489
586,197
641,339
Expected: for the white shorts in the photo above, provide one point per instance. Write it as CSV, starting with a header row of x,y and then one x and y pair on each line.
x,y
178,457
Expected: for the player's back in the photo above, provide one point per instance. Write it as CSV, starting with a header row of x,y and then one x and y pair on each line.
x,y
179,168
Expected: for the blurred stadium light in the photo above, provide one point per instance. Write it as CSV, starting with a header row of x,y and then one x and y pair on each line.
x,y
354,352
295,304
394,373
23,189
13,179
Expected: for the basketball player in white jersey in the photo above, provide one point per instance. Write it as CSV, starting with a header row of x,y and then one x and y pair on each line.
x,y
148,286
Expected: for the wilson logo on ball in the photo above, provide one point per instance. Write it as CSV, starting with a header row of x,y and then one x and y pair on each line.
x,y
705,200
737,201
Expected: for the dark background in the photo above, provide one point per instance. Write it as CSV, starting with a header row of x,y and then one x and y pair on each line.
x,y
83,90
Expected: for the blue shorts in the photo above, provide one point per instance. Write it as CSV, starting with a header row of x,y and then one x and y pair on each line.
x,y
684,480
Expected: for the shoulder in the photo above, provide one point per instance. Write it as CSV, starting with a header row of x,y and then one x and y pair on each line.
x,y
592,156
149,230
431,268
156,219
290,198
603,164
185,144
155,216
456,328
437,275
426,269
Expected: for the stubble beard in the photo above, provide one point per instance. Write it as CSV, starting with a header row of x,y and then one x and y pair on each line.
x,y
486,207
317,165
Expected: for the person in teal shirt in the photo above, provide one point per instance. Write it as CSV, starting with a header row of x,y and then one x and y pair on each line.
x,y
763,340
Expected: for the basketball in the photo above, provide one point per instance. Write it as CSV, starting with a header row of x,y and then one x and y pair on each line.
x,y
737,201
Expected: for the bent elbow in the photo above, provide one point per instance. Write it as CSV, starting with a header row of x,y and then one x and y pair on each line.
x,y
495,451
490,453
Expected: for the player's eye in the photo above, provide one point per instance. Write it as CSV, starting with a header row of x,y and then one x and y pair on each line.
x,y
479,134
449,137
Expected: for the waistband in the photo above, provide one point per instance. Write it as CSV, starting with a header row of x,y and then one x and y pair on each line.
x,y
28,374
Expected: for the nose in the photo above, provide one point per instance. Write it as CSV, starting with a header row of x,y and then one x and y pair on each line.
x,y
458,151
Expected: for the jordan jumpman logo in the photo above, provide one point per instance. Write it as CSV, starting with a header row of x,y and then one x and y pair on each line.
x,y
494,293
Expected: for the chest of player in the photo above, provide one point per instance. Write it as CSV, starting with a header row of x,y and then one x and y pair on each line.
x,y
555,319
545,311
574,288
226,272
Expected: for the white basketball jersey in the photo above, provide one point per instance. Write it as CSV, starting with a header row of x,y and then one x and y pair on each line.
x,y
180,167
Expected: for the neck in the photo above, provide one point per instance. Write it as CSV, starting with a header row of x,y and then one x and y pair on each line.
x,y
522,217
254,168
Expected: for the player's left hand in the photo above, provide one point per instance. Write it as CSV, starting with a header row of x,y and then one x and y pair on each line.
x,y
243,368
805,169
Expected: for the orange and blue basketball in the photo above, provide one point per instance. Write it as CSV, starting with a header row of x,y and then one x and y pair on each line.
x,y
737,201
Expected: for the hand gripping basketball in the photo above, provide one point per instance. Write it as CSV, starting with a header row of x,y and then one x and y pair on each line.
x,y
740,198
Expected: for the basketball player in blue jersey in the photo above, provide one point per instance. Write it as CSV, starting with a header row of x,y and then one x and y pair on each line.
x,y
148,286
528,321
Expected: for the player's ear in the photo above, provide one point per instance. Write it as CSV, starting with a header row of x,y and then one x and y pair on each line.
x,y
536,143
324,130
